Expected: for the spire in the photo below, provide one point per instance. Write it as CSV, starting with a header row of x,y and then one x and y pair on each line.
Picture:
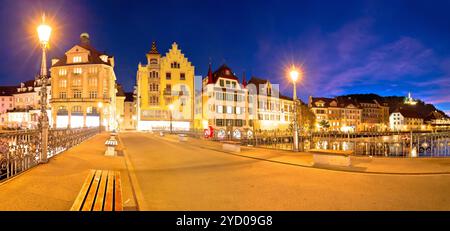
x,y
244,82
153,50
210,79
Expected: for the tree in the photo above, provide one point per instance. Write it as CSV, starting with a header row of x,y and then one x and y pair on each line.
x,y
324,124
306,117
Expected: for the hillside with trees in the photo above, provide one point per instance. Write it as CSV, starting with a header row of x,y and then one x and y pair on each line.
x,y
395,102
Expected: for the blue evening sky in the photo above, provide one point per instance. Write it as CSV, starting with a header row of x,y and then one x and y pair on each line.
x,y
384,47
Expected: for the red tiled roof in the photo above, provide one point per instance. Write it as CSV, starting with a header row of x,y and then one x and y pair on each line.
x,y
326,101
408,113
224,72
7,90
93,58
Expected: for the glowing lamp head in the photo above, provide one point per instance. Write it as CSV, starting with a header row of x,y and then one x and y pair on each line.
x,y
44,32
171,107
100,104
294,74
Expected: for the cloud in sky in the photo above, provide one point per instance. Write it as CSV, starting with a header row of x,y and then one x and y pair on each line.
x,y
354,59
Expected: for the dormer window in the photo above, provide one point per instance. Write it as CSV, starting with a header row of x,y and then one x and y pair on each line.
x,y
77,59
104,58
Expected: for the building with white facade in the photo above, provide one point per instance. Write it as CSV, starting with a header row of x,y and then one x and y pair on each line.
x,y
274,111
406,120
224,104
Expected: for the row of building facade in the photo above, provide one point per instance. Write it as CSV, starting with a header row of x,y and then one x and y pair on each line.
x,y
168,95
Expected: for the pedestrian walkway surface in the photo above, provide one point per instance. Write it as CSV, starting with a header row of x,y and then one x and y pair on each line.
x,y
197,175
55,185
381,165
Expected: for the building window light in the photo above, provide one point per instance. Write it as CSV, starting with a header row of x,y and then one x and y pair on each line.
x,y
62,72
77,70
104,58
77,59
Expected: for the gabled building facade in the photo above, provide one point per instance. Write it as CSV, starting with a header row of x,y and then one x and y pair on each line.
x,y
375,115
341,113
165,82
224,104
406,120
274,111
83,88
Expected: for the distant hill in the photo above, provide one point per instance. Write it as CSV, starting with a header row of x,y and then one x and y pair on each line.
x,y
395,102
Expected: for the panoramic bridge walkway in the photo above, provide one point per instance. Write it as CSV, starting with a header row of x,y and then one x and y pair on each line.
x,y
164,173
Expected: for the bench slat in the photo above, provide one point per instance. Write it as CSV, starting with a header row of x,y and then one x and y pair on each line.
x,y
82,194
98,205
92,192
109,192
117,193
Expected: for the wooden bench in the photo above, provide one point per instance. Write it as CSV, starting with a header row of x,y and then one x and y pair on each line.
x,y
331,157
101,191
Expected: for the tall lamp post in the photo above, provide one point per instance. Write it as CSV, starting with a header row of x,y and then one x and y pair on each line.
x,y
294,76
171,107
100,111
44,32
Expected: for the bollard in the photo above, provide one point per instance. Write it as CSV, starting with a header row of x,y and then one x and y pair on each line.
x,y
182,137
111,144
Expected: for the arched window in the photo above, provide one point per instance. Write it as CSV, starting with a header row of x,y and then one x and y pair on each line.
x,y
154,74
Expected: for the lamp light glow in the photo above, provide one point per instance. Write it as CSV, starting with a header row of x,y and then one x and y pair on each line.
x,y
294,74
44,32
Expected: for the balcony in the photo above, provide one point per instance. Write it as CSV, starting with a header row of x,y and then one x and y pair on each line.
x,y
60,100
167,92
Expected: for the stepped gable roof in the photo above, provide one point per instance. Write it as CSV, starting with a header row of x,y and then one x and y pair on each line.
x,y
93,58
129,97
224,72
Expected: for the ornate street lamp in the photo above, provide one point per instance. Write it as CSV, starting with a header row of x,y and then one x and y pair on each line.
x,y
44,32
294,74
171,107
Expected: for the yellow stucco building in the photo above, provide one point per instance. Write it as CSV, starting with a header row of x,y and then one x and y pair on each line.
x,y
165,91
83,88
